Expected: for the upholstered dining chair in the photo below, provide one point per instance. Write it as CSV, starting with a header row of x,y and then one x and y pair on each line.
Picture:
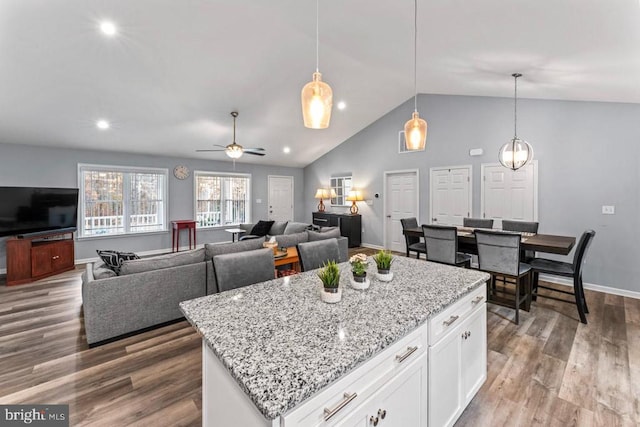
x,y
314,254
521,227
240,269
413,243
499,255
442,245
565,269
477,222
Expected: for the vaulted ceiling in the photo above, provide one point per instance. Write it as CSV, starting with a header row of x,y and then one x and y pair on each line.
x,y
176,68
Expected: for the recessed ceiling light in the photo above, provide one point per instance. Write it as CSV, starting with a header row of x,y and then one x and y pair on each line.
x,y
342,105
108,28
286,150
103,124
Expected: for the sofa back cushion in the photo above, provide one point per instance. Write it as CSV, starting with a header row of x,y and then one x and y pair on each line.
x,y
295,227
331,233
278,228
213,249
288,240
162,261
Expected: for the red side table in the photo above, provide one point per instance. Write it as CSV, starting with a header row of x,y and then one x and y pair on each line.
x,y
178,225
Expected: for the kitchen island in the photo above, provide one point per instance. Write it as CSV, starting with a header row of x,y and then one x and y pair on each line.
x,y
275,355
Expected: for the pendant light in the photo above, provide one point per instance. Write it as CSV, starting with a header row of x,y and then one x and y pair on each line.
x,y
517,152
415,130
317,96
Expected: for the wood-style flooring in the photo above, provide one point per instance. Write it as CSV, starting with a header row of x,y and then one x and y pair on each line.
x,y
550,370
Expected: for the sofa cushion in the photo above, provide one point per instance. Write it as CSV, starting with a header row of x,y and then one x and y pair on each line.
x,y
101,271
162,261
329,234
213,249
261,228
278,228
114,259
295,227
288,240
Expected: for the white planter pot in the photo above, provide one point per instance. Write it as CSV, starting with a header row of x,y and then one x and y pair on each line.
x,y
359,285
386,277
331,297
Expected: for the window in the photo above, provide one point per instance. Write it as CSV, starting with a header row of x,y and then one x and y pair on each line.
x,y
222,199
120,200
341,185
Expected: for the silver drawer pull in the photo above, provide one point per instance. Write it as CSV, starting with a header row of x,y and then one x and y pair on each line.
x,y
450,321
401,357
477,299
321,220
329,413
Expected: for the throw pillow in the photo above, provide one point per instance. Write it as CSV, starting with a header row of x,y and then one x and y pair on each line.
x,y
295,227
332,233
278,228
261,228
114,259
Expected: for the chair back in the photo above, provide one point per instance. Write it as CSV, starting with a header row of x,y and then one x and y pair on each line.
x,y
477,222
581,251
240,269
314,254
519,226
442,243
410,223
498,252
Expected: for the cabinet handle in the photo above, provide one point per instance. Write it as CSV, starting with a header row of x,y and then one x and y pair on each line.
x,y
329,413
382,413
402,357
477,299
373,420
450,321
55,257
321,220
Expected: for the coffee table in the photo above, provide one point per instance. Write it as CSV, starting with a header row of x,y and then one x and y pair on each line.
x,y
290,258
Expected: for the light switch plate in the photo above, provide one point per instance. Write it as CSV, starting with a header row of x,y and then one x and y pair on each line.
x,y
608,210
258,200
370,202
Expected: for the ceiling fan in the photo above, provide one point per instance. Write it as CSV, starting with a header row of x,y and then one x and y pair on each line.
x,y
234,150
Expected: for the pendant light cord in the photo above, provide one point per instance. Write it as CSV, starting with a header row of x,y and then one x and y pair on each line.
x,y
317,35
515,105
415,55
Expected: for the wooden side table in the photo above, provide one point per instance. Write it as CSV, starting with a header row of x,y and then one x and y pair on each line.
x,y
178,225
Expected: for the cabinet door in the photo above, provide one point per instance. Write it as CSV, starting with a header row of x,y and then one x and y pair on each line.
x,y
62,255
474,354
445,379
40,260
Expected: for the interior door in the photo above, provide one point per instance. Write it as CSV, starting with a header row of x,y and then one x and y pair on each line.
x,y
401,202
450,195
280,198
508,194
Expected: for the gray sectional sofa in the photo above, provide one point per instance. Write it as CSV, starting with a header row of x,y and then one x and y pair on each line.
x,y
147,291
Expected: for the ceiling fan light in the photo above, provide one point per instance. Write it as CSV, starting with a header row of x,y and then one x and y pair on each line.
x,y
515,154
415,133
317,101
234,151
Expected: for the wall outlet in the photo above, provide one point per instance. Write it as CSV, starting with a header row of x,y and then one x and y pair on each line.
x,y
370,202
258,200
608,210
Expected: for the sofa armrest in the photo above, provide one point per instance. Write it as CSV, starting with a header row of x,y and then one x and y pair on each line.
x,y
343,247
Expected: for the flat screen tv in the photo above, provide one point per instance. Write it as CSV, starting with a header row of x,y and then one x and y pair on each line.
x,y
32,210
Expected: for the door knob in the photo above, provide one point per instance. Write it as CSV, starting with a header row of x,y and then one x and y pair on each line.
x,y
434,219
388,216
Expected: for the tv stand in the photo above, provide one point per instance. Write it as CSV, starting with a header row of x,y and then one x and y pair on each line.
x,y
34,257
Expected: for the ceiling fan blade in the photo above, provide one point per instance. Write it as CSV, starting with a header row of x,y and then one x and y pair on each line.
x,y
218,145
254,153
254,149
204,151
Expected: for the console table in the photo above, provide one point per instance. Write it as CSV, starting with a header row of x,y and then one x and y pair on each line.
x,y
350,225
177,225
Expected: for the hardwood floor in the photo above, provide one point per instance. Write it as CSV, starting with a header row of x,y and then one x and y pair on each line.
x,y
550,370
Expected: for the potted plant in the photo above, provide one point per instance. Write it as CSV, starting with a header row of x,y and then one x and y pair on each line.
x,y
383,260
330,277
359,270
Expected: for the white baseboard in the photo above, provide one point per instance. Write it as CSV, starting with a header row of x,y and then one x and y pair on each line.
x,y
591,286
370,246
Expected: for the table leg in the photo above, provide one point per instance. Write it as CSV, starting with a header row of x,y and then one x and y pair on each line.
x,y
173,240
194,237
189,231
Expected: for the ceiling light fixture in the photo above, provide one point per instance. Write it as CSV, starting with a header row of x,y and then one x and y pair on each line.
x,y
317,96
108,28
103,124
342,105
415,130
234,150
517,152
286,150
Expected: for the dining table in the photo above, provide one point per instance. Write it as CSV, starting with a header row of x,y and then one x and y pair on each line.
x,y
547,243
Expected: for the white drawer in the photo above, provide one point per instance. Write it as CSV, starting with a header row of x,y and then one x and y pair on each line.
x,y
348,393
455,314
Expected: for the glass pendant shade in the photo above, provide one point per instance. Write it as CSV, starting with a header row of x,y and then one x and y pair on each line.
x,y
415,133
234,151
317,101
515,154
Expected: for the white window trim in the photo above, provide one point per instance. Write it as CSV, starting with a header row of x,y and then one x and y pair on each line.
x,y
125,169
198,173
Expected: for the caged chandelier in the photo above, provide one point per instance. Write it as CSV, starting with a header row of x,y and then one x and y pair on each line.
x,y
517,152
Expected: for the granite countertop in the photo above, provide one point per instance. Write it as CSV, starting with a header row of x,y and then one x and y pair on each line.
x,y
282,344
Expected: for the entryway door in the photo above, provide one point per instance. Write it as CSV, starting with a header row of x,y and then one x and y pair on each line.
x,y
450,195
280,198
401,201
508,194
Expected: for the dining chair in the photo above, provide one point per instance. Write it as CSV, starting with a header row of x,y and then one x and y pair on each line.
x,y
521,227
240,269
565,269
314,254
477,223
499,255
442,246
413,243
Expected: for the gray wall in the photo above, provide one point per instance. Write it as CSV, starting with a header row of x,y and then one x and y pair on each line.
x,y
587,152
53,167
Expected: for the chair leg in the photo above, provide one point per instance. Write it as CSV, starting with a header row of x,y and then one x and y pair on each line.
x,y
517,301
417,255
579,299
527,290
584,299
534,287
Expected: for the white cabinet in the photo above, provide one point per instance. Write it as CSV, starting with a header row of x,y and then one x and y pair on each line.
x,y
457,366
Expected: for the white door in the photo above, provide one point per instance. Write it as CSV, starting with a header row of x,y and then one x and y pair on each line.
x,y
508,194
450,195
280,198
401,195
